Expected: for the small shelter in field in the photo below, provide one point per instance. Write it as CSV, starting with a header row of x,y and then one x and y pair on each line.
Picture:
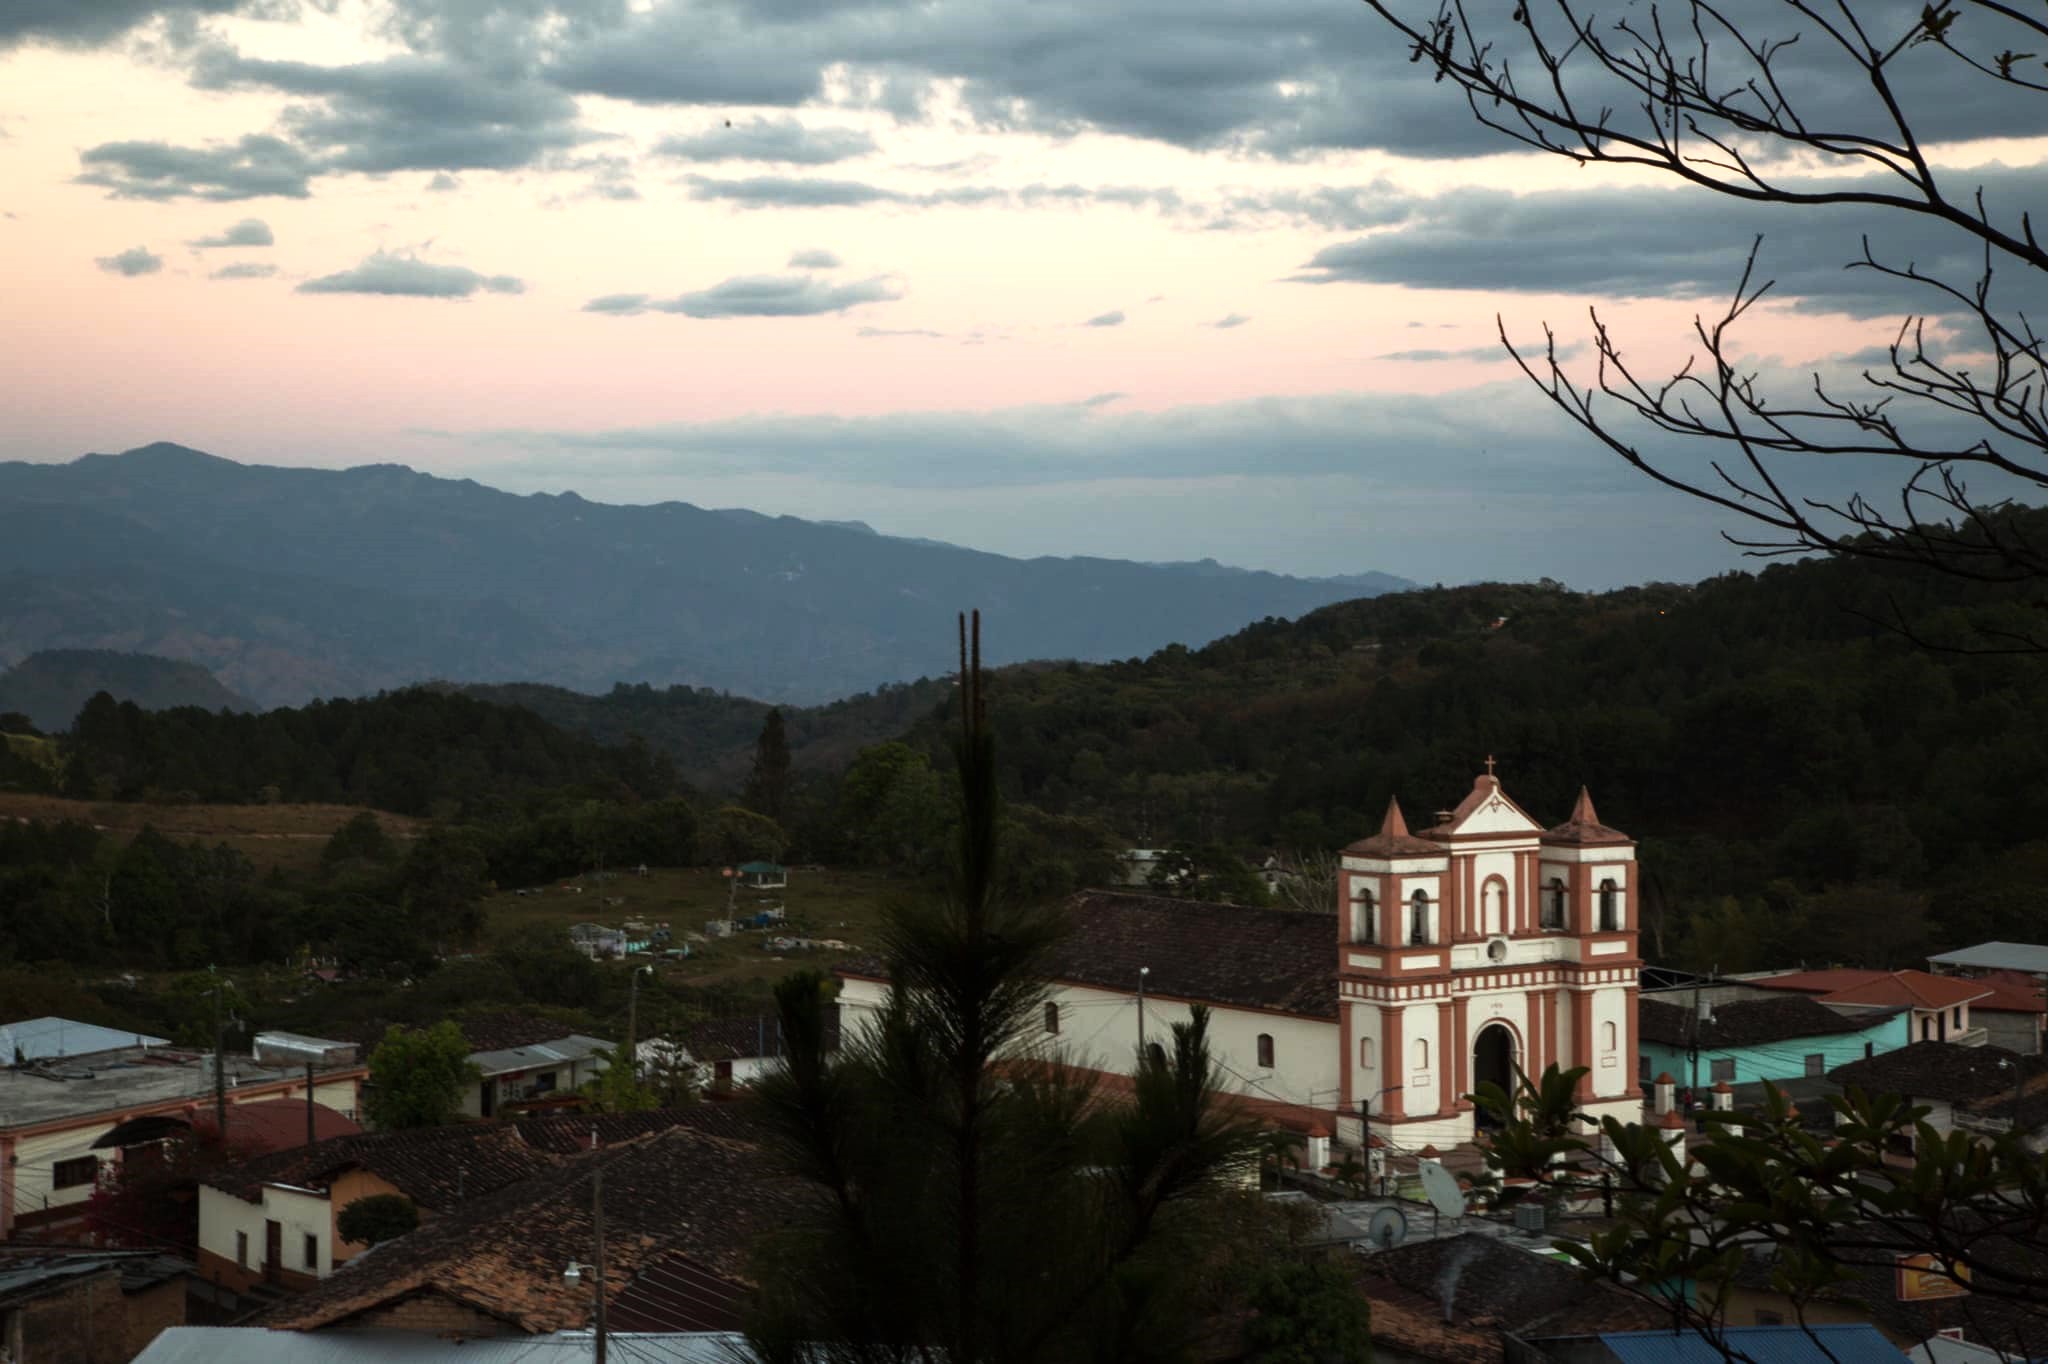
x,y
764,875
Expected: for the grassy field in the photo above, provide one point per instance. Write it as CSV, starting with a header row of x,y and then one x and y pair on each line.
x,y
818,903
288,836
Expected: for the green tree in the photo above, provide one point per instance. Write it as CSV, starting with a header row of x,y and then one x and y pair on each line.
x,y
418,1077
768,784
376,1218
357,845
1307,1310
735,834
1820,1204
975,1203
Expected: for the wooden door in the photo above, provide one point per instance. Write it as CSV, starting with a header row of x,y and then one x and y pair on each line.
x,y
273,1249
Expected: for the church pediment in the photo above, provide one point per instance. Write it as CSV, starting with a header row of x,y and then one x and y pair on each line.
x,y
1487,811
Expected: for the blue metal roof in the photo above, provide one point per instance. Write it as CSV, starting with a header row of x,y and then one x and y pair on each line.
x,y
48,1039
1846,1344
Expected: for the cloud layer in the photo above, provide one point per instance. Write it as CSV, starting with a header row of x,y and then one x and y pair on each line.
x,y
136,260
396,275
757,296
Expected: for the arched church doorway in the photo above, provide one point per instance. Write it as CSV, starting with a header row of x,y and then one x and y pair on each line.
x,y
1493,1060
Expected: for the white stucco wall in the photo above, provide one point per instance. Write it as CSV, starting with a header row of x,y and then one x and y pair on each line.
x,y
1614,1069
300,1214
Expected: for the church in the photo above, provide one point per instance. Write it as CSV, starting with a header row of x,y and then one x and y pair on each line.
x,y
1483,944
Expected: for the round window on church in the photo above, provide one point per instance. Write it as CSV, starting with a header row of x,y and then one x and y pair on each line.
x,y
1497,950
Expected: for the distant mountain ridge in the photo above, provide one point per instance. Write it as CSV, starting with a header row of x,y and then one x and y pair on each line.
x,y
51,687
293,583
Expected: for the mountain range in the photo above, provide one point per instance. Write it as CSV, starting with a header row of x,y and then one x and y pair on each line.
x,y
293,583
49,687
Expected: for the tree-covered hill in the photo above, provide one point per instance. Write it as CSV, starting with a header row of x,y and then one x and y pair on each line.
x,y
419,751
710,735
50,687
1775,740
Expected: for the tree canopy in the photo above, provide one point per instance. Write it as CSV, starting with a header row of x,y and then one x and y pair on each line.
x,y
418,1076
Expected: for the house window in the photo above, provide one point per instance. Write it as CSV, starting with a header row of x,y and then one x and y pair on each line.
x,y
1418,918
1365,1051
1362,916
1553,904
1265,1051
1052,1019
242,1249
1608,1037
1643,1070
1869,1050
1610,907
1816,1063
1956,1015
1926,1028
313,1253
1421,1054
69,1174
1722,1070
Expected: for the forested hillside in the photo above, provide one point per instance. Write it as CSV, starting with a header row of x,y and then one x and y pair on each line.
x,y
1807,782
50,687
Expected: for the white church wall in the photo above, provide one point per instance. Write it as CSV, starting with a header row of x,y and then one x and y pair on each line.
x,y
1422,1059
1484,867
1614,1071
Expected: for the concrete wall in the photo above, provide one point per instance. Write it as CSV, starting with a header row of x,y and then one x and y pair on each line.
x,y
300,1213
2018,1032
569,1077
84,1324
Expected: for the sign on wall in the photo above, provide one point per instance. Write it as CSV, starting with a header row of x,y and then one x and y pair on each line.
x,y
1923,1278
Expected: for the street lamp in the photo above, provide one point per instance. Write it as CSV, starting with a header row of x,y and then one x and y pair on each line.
x,y
572,1276
1143,971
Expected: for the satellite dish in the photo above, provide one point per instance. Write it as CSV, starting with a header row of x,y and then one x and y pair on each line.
x,y
1388,1228
1442,1188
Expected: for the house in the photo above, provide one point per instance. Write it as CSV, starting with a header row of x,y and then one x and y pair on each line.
x,y
682,1206
274,1220
1980,1088
1463,1300
522,1058
728,1052
2015,1014
1940,1005
1484,945
86,1306
65,1122
1748,1040
1136,865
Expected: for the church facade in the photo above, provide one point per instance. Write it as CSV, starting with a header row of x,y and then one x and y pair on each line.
x,y
1484,945
1478,947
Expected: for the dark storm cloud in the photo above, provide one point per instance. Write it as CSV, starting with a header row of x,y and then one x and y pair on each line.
x,y
389,273
1677,243
768,139
89,23
256,166
244,270
136,260
757,296
248,232
406,113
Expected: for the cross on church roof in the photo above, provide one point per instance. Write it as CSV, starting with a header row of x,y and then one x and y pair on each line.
x,y
1489,764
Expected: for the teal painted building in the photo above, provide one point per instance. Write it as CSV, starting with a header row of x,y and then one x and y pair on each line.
x,y
1748,1040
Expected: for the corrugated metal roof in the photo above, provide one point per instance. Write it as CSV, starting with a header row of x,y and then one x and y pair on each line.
x,y
255,1345
1849,1344
551,1053
46,1039
2013,956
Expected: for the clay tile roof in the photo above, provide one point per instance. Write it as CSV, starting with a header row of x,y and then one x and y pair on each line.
x,y
2011,992
1815,982
510,1030
746,1036
1942,1071
1584,827
569,1133
1493,1287
1911,989
1748,1022
1281,959
681,1191
1393,839
256,1129
436,1167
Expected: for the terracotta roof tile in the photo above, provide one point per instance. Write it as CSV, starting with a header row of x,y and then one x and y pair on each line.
x,y
1749,1022
1901,989
680,1191
1279,959
1393,839
1941,1071
256,1129
2011,992
1584,828
436,1167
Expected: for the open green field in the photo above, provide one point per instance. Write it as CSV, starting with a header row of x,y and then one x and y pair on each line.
x,y
286,836
819,903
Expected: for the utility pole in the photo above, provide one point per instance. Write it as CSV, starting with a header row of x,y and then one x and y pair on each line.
x,y
220,1077
597,1222
633,1018
309,1101
1143,971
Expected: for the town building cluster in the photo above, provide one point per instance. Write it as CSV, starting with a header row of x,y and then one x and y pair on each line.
x,y
1479,949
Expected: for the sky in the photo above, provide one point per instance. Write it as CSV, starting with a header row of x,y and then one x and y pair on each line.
x,y
1120,277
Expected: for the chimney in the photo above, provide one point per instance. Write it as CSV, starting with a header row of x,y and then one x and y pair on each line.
x,y
1665,1092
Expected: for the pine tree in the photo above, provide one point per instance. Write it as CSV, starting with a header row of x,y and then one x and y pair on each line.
x,y
768,786
977,1200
